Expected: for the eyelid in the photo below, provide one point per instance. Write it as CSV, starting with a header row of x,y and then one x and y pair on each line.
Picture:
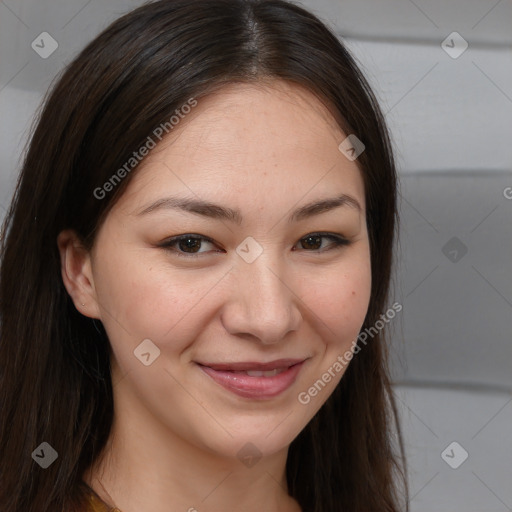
x,y
338,241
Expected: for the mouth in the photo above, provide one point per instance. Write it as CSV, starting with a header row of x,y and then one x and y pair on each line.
x,y
255,380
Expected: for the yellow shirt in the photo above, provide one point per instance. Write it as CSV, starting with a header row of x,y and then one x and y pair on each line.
x,y
96,505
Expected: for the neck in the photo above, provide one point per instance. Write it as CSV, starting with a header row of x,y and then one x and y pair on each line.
x,y
145,467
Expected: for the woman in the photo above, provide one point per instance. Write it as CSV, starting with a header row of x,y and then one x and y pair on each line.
x,y
203,225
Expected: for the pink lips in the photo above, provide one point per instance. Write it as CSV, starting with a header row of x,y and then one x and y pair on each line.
x,y
230,377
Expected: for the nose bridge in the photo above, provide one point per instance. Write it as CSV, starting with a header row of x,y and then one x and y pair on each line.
x,y
265,302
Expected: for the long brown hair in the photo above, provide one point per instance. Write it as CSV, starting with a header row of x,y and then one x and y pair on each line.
x,y
55,384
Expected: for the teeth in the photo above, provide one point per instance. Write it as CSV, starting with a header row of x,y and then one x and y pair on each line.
x,y
269,373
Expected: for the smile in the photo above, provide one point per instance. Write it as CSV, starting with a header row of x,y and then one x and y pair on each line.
x,y
255,380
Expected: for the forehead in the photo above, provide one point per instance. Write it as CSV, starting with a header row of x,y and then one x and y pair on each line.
x,y
237,112
248,139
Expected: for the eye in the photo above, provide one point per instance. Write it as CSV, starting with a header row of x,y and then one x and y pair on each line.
x,y
315,239
188,245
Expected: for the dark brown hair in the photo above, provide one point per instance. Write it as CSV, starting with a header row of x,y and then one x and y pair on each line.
x,y
55,363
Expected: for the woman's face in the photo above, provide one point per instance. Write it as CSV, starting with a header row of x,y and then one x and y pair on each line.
x,y
256,291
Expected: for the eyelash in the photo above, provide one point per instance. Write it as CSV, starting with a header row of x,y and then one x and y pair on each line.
x,y
337,243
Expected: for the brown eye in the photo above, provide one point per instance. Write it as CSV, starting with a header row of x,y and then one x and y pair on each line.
x,y
313,242
187,245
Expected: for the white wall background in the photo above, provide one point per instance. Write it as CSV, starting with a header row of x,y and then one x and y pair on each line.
x,y
451,120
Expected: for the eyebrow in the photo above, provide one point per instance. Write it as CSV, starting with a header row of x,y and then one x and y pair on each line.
x,y
216,211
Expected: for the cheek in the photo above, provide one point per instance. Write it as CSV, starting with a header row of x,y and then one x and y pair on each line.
x,y
340,302
143,297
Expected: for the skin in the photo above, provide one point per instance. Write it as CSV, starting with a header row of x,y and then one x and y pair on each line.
x,y
265,149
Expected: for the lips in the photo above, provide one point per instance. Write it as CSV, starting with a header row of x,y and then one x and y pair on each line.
x,y
254,379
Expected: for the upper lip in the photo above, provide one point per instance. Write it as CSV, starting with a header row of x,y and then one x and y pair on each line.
x,y
253,366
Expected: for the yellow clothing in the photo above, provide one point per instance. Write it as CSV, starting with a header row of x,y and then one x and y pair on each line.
x,y
97,505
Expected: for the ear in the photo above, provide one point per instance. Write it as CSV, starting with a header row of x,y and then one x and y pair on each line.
x,y
76,271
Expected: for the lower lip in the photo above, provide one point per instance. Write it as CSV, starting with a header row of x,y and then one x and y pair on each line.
x,y
254,387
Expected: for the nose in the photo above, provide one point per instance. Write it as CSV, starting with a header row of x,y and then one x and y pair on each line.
x,y
263,303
